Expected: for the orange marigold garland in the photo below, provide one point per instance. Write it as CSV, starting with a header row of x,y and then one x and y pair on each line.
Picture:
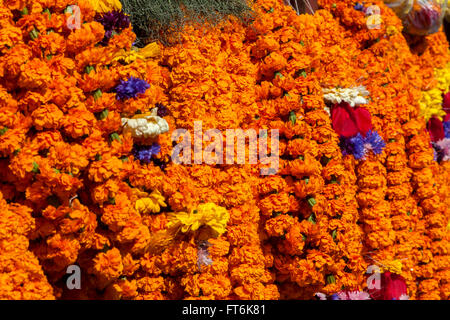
x,y
85,143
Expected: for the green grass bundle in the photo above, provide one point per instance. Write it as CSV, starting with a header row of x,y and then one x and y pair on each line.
x,y
163,19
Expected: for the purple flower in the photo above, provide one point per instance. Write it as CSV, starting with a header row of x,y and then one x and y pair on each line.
x,y
131,88
358,6
162,110
373,142
359,146
446,125
334,297
353,146
145,153
112,21
203,258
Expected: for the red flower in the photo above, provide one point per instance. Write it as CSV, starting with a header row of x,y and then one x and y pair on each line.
x,y
436,129
447,117
393,286
446,103
348,121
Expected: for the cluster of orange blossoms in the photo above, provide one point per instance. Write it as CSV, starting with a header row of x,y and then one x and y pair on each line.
x,y
73,191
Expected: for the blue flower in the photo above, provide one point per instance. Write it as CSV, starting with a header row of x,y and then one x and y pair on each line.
x,y
145,153
353,146
358,6
374,142
131,88
346,146
447,129
334,296
113,21
358,146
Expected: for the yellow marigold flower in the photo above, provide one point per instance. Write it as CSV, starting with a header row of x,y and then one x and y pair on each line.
x,y
208,214
431,101
152,50
152,203
394,266
159,241
105,5
139,193
431,104
391,30
443,78
147,125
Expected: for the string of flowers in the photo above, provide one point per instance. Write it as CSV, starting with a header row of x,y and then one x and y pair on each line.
x,y
86,121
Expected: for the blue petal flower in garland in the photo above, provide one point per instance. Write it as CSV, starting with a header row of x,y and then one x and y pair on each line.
x,y
145,153
131,88
360,146
334,296
447,129
373,142
358,6
112,21
353,146
346,146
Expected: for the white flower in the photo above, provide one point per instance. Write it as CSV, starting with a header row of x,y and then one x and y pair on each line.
x,y
321,296
353,96
145,126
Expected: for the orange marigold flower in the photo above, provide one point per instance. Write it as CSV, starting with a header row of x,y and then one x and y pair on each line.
x,y
108,265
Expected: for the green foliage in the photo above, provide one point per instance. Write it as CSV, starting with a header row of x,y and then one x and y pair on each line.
x,y
163,19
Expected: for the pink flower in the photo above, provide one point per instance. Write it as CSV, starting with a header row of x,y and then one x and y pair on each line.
x,y
353,295
393,287
444,146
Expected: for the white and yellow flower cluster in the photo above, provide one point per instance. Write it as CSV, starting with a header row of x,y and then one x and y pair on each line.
x,y
146,126
353,96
